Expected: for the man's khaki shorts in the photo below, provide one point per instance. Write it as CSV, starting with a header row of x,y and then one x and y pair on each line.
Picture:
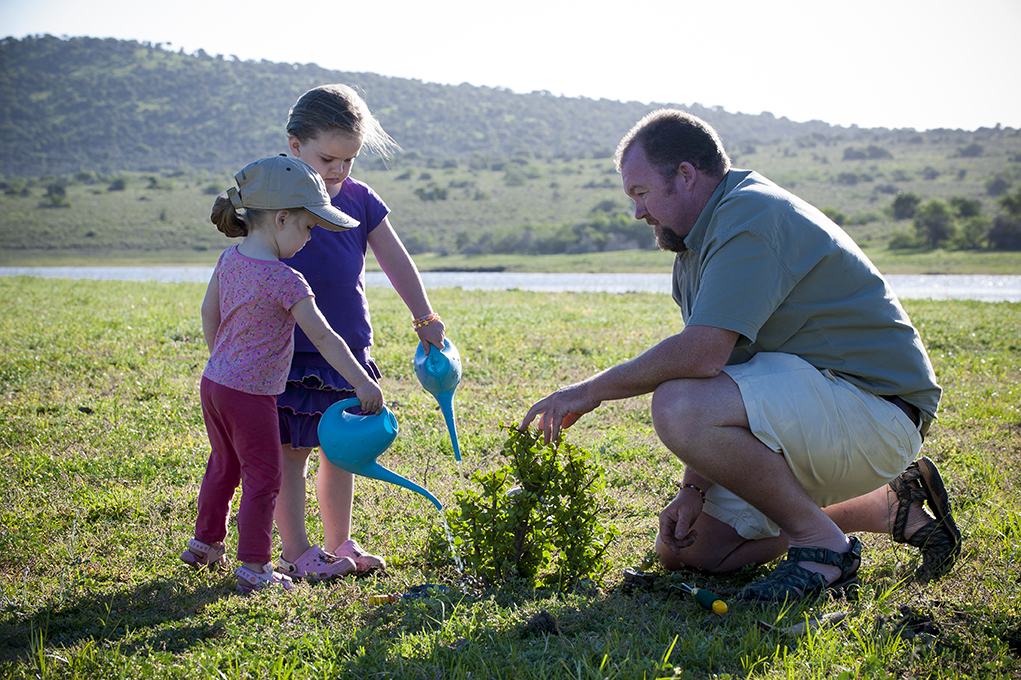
x,y
840,441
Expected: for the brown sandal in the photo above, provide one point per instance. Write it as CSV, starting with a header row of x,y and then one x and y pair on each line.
x,y
940,539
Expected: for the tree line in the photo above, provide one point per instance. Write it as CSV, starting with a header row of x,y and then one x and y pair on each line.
x,y
70,104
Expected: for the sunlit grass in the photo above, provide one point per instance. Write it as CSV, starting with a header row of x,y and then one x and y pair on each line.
x,y
102,449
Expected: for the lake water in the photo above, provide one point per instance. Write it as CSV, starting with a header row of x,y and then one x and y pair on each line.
x,y
987,288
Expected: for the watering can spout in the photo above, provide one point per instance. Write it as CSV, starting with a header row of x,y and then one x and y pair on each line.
x,y
377,471
353,442
439,371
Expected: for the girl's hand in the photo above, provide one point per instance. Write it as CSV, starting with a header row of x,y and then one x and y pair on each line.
x,y
370,397
432,335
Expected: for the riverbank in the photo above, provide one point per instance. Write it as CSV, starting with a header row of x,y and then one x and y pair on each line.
x,y
979,287
622,261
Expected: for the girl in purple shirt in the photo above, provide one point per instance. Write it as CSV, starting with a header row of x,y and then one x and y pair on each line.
x,y
327,128
248,319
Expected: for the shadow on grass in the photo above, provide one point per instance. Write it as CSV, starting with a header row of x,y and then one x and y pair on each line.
x,y
106,617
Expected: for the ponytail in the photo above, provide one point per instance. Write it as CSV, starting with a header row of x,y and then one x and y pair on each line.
x,y
227,219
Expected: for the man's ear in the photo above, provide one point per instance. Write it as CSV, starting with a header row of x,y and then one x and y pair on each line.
x,y
686,175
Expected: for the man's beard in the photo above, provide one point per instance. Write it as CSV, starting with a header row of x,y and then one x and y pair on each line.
x,y
667,240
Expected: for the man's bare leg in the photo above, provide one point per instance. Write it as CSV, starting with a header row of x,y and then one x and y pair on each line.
x,y
703,422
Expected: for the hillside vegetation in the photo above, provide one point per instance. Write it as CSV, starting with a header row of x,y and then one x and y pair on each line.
x,y
112,105
114,147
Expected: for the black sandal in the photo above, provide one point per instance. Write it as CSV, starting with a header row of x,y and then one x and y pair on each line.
x,y
940,539
788,578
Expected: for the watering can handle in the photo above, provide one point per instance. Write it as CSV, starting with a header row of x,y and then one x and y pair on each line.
x,y
345,404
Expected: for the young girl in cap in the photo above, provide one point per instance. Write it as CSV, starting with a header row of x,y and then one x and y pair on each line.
x,y
248,318
327,128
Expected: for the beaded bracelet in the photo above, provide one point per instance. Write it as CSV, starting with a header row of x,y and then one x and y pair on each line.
x,y
696,487
424,321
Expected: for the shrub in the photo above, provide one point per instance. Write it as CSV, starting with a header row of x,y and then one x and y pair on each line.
x,y
119,184
838,216
971,234
935,222
1005,234
1012,204
905,205
538,517
431,193
997,186
877,152
865,217
514,177
902,240
966,207
973,150
56,197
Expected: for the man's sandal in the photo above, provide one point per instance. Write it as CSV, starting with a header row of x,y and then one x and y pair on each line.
x,y
940,539
201,555
788,578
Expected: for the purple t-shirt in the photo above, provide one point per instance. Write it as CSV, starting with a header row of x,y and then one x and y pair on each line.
x,y
253,347
333,263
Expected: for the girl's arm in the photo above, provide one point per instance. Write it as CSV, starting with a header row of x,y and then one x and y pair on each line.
x,y
211,312
335,350
398,266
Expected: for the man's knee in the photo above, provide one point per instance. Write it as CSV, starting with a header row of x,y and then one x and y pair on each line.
x,y
694,557
670,560
675,411
685,410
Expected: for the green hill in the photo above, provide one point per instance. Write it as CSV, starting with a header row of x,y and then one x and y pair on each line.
x,y
113,149
111,105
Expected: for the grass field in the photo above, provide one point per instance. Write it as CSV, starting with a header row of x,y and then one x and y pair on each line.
x,y
102,449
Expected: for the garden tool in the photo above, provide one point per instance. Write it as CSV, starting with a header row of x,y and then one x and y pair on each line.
x,y
708,600
439,371
352,442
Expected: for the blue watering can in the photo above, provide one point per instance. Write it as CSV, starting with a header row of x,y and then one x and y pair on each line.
x,y
353,442
439,371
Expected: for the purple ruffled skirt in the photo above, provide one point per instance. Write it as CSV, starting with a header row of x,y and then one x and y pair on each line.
x,y
312,387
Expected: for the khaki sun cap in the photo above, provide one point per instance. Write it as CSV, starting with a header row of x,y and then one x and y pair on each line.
x,y
284,183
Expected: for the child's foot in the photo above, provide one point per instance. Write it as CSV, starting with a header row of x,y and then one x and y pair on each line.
x,y
200,555
363,560
251,580
316,563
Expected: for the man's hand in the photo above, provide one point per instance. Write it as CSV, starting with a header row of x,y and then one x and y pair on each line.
x,y
678,517
559,411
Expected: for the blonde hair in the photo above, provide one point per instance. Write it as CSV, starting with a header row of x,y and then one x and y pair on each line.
x,y
338,108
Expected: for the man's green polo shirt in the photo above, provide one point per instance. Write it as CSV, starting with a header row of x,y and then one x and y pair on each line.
x,y
766,264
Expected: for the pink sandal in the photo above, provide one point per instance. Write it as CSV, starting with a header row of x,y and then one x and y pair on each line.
x,y
363,559
201,555
250,581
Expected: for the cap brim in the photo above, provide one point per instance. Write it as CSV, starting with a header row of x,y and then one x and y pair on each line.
x,y
332,219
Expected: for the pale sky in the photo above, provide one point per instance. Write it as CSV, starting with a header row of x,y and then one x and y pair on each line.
x,y
873,63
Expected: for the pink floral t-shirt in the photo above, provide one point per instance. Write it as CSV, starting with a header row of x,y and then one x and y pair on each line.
x,y
255,341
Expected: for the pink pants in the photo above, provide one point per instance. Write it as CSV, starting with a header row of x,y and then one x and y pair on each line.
x,y
244,435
